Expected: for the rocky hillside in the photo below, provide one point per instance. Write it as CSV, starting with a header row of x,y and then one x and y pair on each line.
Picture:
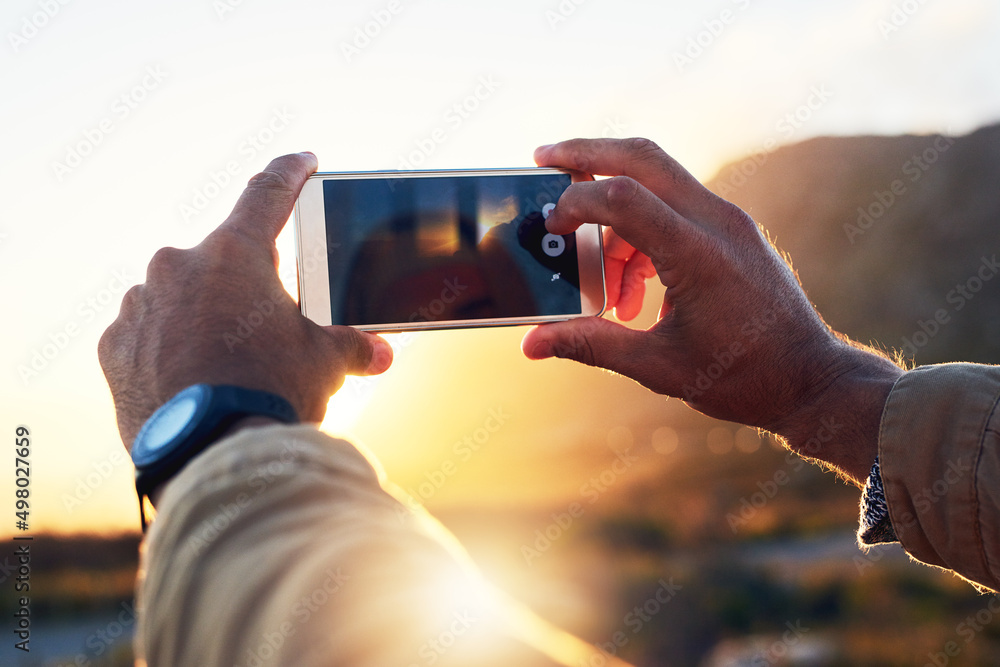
x,y
895,238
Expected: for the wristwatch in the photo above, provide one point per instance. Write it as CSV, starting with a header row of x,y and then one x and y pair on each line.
x,y
191,421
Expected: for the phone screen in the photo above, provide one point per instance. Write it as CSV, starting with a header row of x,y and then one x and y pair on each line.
x,y
447,248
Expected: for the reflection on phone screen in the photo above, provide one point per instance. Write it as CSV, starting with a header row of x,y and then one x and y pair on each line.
x,y
447,248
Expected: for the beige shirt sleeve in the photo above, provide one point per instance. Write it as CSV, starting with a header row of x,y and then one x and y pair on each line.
x,y
280,546
939,452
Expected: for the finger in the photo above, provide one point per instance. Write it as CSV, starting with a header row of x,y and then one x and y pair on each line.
x,y
358,352
617,252
266,204
638,269
640,159
640,218
589,340
615,246
575,176
614,269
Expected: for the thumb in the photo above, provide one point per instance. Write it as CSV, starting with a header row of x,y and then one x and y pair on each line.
x,y
590,340
357,352
267,202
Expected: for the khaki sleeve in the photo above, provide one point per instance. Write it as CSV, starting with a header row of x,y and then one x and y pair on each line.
x,y
279,546
939,452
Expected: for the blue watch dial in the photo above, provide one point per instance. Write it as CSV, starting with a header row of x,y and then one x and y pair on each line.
x,y
169,425
170,421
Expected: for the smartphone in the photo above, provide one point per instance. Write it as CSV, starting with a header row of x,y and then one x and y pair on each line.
x,y
412,250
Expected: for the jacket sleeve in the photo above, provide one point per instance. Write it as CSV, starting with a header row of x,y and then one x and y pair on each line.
x,y
939,454
279,546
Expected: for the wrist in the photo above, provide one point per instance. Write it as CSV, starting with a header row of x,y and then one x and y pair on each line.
x,y
189,422
840,425
250,421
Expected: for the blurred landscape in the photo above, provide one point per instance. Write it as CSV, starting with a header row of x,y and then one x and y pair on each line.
x,y
82,608
917,251
594,498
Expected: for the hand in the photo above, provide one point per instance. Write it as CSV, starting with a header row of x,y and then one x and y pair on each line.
x,y
217,313
736,336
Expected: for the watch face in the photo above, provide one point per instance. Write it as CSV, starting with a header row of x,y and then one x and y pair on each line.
x,y
166,425
171,421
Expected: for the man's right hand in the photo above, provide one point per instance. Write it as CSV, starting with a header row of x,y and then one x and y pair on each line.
x,y
736,338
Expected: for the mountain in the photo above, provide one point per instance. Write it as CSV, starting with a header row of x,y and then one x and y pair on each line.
x,y
894,238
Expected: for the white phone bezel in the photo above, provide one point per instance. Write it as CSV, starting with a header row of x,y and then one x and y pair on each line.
x,y
313,268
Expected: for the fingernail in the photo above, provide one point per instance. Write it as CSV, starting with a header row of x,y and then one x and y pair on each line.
x,y
542,350
545,147
381,358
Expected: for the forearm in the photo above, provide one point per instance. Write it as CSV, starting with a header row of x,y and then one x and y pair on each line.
x,y
279,546
262,541
203,517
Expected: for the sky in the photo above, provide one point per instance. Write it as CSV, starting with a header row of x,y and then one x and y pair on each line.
x,y
128,126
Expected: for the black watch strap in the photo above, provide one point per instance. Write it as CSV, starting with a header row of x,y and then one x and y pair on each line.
x,y
218,408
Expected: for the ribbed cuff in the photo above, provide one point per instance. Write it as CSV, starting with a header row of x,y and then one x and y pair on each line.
x,y
876,528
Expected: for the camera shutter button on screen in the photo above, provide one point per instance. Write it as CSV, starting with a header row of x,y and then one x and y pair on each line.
x,y
553,245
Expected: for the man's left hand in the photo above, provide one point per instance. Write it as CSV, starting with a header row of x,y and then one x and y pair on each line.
x,y
217,313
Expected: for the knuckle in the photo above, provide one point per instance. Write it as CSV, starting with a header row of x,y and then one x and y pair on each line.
x,y
737,220
225,242
645,153
269,180
572,201
571,210
130,301
347,346
642,149
356,349
105,345
583,152
577,347
164,262
230,246
622,192
111,340
109,346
